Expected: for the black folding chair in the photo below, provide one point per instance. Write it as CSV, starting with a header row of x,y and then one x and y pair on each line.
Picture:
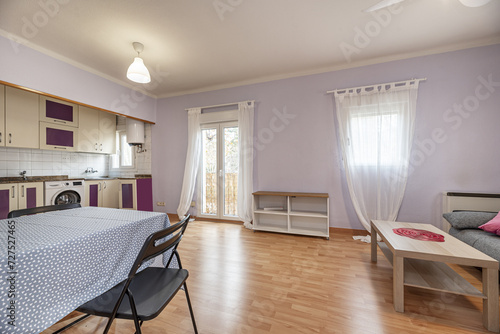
x,y
144,295
41,209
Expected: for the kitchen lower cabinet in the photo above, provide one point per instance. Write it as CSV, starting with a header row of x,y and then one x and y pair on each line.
x,y
136,194
101,193
15,196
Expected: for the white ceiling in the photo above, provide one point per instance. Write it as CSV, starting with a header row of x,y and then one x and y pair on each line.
x,y
200,45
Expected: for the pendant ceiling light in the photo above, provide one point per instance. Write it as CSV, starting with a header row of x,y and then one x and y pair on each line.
x,y
137,71
474,3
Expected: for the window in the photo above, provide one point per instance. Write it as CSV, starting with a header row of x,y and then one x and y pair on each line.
x,y
374,137
125,154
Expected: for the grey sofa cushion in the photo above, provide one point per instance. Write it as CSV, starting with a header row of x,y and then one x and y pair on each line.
x,y
468,235
489,244
468,219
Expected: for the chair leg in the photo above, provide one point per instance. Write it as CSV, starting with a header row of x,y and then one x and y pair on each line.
x,y
140,324
190,308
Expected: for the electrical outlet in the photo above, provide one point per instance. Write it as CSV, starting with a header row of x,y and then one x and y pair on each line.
x,y
160,203
193,204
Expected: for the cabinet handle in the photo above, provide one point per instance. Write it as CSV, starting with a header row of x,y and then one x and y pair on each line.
x,y
13,192
22,190
105,186
0,137
60,148
56,120
100,187
95,146
100,147
10,138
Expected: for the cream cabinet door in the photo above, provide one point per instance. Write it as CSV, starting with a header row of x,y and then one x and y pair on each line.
x,y
110,193
88,131
2,115
127,194
58,111
21,118
107,132
30,195
93,193
8,199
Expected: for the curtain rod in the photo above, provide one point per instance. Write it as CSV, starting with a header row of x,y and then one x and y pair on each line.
x,y
383,84
222,105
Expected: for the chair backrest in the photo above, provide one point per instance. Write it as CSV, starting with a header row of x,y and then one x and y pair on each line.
x,y
154,245
40,209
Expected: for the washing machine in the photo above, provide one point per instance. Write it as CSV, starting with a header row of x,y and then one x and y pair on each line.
x,y
65,192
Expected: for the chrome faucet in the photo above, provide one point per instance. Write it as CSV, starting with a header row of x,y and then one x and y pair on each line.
x,y
90,170
23,174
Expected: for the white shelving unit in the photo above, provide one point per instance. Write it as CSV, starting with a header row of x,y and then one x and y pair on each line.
x,y
291,212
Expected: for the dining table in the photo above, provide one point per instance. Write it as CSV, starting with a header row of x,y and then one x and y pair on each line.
x,y
56,261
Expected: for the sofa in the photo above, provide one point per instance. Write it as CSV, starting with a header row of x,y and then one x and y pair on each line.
x,y
465,226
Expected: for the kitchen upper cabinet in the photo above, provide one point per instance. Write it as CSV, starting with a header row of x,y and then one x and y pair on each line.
x,y
58,137
14,196
58,111
2,115
107,132
96,133
21,118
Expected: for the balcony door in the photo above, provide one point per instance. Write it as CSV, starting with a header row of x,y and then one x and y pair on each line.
x,y
218,184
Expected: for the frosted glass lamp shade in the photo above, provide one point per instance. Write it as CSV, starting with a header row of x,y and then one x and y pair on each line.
x,y
138,72
474,3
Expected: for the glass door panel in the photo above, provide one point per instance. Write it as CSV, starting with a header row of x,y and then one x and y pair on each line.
x,y
231,162
209,172
218,192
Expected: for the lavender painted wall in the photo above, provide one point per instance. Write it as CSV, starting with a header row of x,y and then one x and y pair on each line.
x,y
454,149
29,68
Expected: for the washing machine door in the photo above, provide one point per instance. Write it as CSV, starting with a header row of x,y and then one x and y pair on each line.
x,y
67,197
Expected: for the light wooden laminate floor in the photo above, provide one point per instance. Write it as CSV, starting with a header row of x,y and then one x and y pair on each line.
x,y
258,283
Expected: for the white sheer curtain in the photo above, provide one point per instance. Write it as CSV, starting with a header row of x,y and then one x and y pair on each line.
x,y
192,161
245,169
376,126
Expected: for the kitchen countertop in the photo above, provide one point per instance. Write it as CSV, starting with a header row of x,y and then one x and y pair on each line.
x,y
19,179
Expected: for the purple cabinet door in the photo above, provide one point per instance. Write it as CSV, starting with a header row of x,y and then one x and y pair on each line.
x,y
127,196
59,137
60,111
30,198
93,195
145,194
4,203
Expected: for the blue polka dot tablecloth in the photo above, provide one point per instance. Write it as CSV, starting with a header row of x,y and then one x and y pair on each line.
x,y
51,263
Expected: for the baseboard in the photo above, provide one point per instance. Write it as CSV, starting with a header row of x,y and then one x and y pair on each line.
x,y
333,230
173,217
347,231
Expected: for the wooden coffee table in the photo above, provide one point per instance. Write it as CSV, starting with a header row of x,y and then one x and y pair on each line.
x,y
421,264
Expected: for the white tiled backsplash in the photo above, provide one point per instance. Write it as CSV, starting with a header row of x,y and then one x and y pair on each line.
x,y
46,163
